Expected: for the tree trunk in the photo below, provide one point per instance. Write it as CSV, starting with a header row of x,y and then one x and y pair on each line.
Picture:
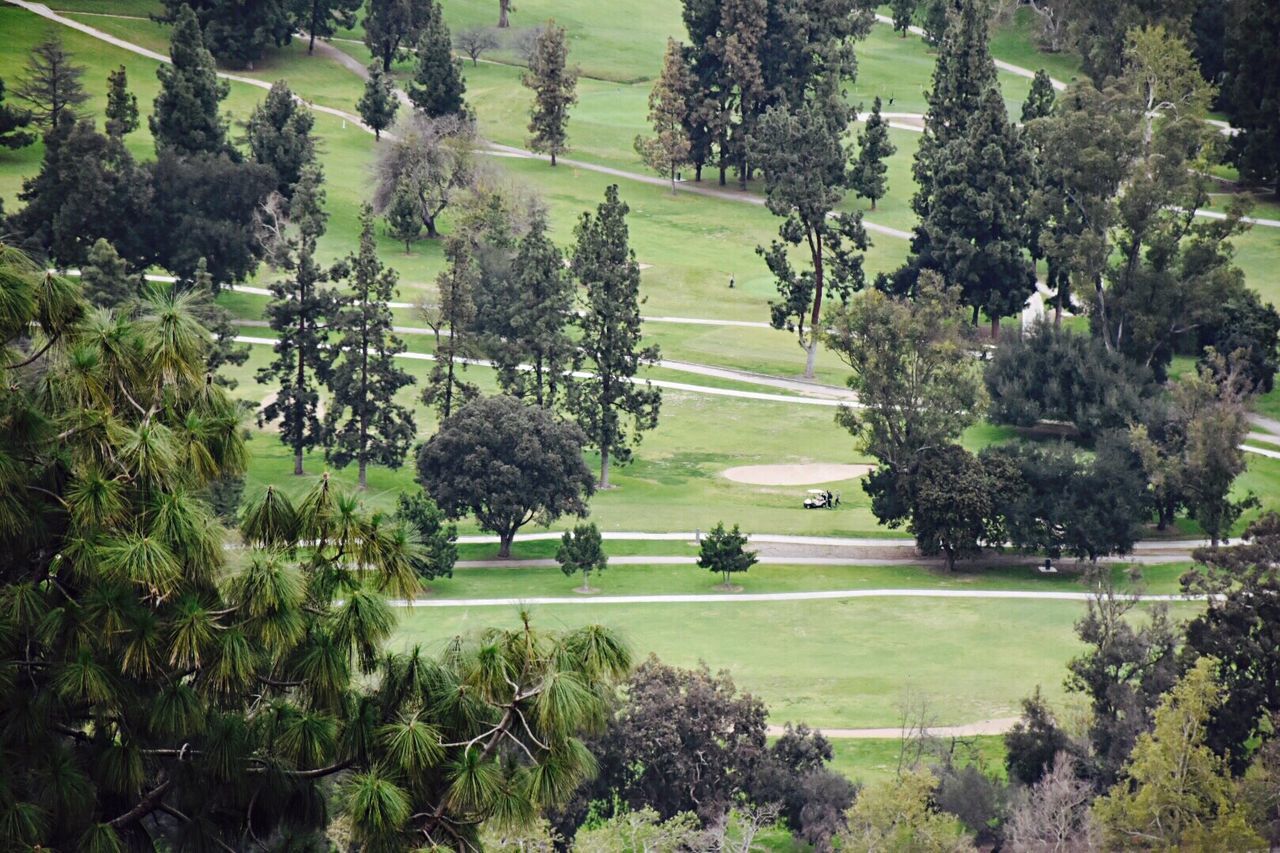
x,y
723,169
873,202
297,462
811,355
504,545
975,315
553,158
311,45
697,173
995,330
815,319
1057,310
430,222
364,475
951,560
503,8
604,467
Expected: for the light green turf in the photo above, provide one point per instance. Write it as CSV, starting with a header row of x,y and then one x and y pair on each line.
x,y
833,663
873,761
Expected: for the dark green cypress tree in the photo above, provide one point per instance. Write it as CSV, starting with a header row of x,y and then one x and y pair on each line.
x,y
975,233
437,85
364,423
391,24
1251,88
933,20
279,136
868,175
185,117
238,32
122,105
12,122
610,345
298,311
1040,99
378,105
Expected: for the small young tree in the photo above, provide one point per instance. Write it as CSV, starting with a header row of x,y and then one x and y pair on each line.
x,y
364,422
12,122
903,13
279,135
668,149
506,463
582,550
52,83
122,105
378,105
106,279
474,41
725,553
610,343
554,86
874,147
439,539
436,89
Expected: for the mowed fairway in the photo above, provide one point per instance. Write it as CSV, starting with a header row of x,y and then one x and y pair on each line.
x,y
831,663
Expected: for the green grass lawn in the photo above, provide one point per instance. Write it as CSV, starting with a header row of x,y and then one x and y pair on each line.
x,y
832,663
872,761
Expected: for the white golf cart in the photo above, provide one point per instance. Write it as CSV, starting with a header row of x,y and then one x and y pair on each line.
x,y
821,499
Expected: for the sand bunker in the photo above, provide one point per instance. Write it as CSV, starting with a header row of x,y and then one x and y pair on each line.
x,y
795,475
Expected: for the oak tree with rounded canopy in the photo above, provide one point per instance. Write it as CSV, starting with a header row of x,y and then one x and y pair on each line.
x,y
725,552
506,463
582,550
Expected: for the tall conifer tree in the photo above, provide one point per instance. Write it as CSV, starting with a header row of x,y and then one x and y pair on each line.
x,y
122,105
610,346
437,85
298,312
364,422
452,318
554,86
279,136
185,118
378,105
874,147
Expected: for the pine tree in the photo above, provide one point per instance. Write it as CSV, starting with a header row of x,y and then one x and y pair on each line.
x,y
298,312
437,87
378,105
106,279
582,551
238,32
725,553
122,105
554,86
668,149
451,318
1252,89
610,344
874,147
975,232
12,122
523,319
1040,99
279,135
185,117
903,12
364,423
404,222
52,83
961,77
